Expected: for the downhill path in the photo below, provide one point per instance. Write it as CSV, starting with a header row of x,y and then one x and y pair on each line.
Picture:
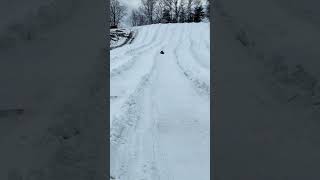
x,y
160,104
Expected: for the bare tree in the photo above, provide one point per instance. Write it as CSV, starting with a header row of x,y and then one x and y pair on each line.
x,y
138,17
134,18
117,12
148,9
142,17
182,11
158,13
189,10
168,7
176,10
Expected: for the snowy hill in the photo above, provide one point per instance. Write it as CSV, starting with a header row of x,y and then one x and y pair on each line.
x,y
160,117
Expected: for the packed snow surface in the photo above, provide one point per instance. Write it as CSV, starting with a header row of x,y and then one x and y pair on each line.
x,y
160,107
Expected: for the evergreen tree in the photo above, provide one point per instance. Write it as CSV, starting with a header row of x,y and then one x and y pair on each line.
x,y
189,11
166,15
198,13
182,16
208,9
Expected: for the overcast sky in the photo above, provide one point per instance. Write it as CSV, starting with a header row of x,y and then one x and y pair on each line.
x,y
131,3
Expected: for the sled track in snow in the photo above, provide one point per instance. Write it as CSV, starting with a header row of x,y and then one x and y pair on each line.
x,y
130,106
196,55
202,50
137,41
127,122
201,86
131,112
135,54
124,124
157,103
119,56
145,46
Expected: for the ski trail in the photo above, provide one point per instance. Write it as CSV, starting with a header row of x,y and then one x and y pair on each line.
x,y
160,123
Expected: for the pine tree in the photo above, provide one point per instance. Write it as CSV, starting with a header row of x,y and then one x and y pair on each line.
x,y
198,13
208,9
166,15
182,16
189,11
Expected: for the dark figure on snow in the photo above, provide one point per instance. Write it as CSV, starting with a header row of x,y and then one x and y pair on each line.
x,y
161,52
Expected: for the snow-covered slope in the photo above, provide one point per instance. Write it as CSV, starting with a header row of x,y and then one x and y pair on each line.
x,y
160,104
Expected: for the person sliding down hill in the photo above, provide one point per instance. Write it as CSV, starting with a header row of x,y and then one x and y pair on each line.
x,y
161,52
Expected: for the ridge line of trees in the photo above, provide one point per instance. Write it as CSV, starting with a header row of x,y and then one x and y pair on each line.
x,y
160,11
169,11
117,12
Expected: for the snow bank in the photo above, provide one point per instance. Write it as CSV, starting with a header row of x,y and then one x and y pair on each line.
x,y
157,102
119,37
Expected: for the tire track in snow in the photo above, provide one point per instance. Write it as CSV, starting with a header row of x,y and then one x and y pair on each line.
x,y
204,51
201,86
169,90
146,168
125,126
145,46
126,123
127,65
150,118
161,157
122,126
159,170
129,116
144,43
136,151
130,77
144,35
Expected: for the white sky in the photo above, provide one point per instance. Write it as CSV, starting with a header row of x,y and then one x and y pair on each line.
x,y
131,3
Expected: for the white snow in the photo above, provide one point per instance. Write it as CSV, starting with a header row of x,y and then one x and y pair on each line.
x,y
160,107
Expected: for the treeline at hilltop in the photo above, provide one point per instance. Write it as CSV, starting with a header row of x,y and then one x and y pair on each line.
x,y
161,11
